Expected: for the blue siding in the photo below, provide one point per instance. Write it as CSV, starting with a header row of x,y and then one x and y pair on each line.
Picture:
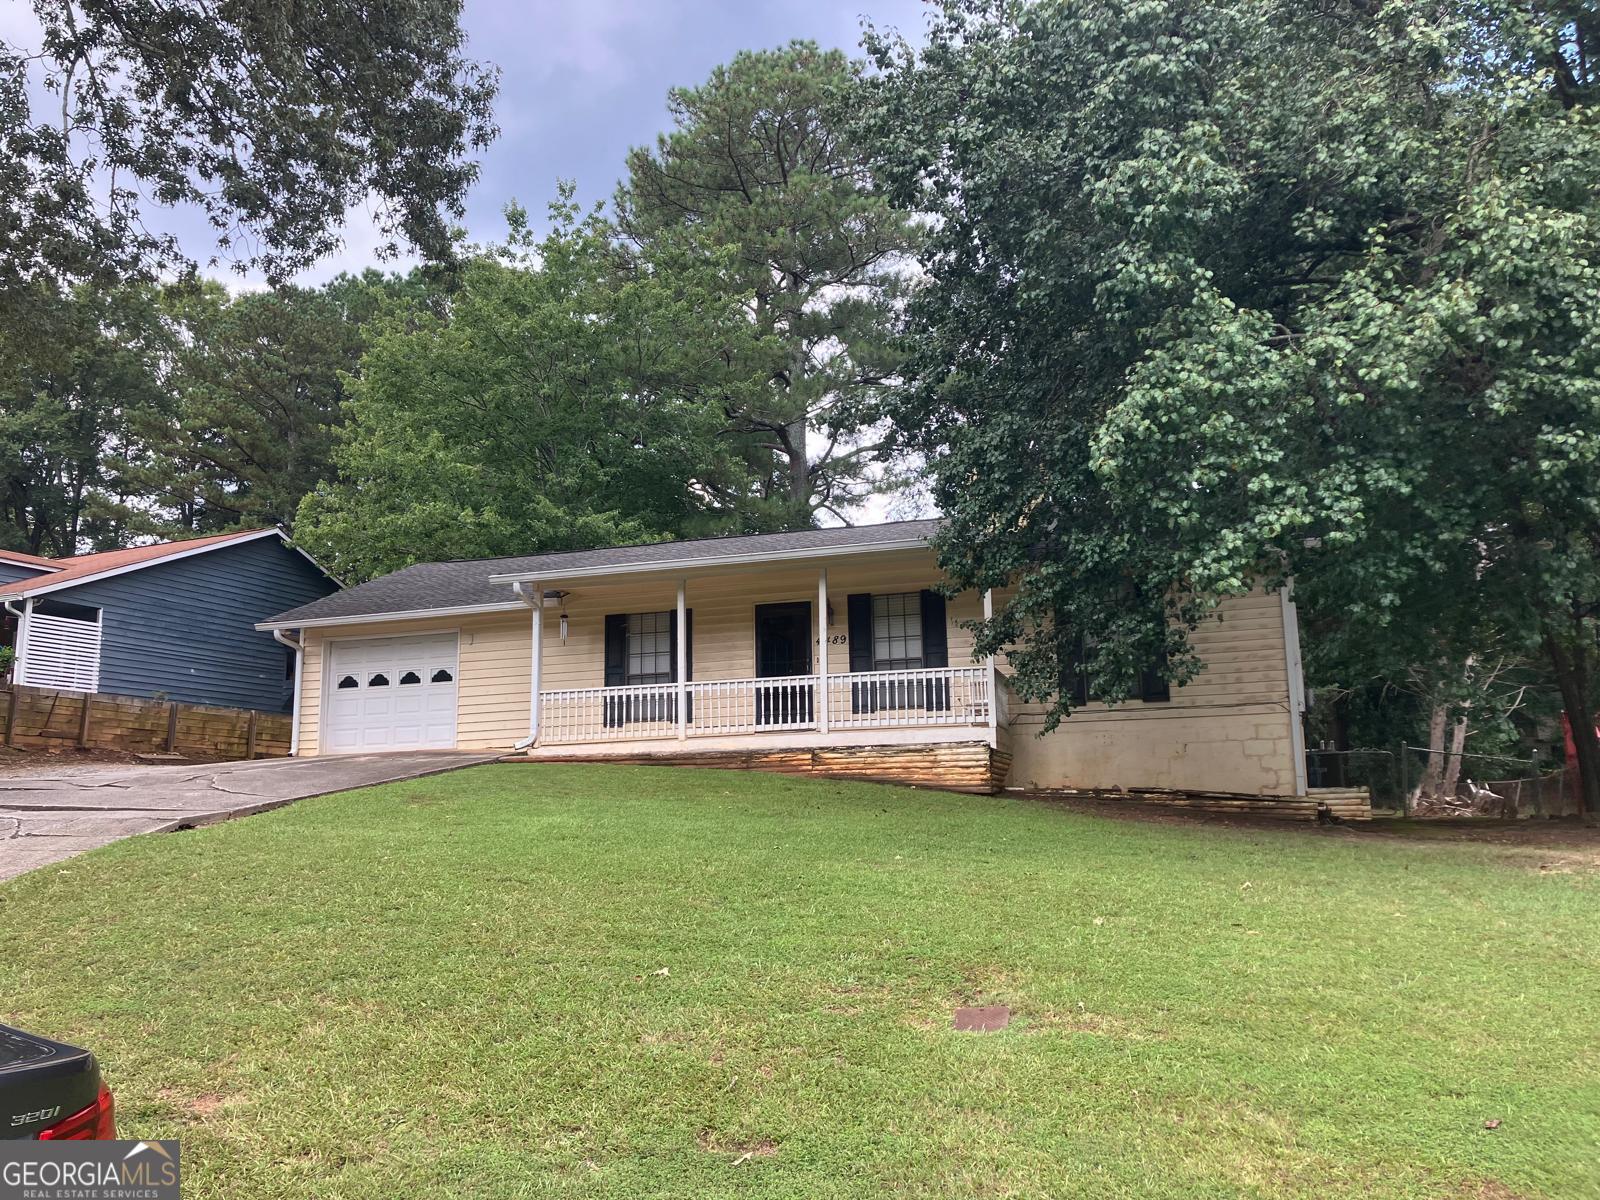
x,y
10,572
184,629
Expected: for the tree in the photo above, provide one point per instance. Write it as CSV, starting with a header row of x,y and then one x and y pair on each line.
x,y
273,120
568,395
1229,292
760,163
67,412
255,389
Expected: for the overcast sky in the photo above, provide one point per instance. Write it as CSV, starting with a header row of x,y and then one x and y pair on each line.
x,y
582,81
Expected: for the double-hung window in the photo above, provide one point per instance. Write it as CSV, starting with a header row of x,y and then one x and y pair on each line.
x,y
897,631
649,647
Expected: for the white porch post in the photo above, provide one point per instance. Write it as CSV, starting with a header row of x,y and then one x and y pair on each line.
x,y
536,684
19,657
994,673
681,673
822,650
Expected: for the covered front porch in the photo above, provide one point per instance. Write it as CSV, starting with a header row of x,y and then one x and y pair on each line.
x,y
763,656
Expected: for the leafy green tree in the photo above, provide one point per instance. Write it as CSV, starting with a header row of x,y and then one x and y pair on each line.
x,y
760,163
1224,292
570,394
66,414
271,119
255,388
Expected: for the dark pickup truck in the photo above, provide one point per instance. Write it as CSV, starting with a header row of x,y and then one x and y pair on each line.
x,y
51,1091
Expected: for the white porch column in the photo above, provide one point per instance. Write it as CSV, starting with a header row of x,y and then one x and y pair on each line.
x,y
822,650
535,686
994,673
19,657
681,674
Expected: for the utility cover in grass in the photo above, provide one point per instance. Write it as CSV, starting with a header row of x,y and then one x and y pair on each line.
x,y
982,1020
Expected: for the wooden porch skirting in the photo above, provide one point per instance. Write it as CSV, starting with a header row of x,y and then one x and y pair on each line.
x,y
950,766
1320,804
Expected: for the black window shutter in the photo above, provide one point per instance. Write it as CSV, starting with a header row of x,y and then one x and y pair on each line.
x,y
935,642
616,649
860,618
615,713
1074,681
1153,684
860,615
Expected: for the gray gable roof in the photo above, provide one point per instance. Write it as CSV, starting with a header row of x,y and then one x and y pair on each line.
x,y
469,584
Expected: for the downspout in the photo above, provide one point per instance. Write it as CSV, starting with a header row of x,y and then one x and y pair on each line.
x,y
21,646
534,598
299,649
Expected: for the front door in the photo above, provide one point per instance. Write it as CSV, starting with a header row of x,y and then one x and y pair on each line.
x,y
783,648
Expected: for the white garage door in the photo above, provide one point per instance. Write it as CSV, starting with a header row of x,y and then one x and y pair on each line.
x,y
391,694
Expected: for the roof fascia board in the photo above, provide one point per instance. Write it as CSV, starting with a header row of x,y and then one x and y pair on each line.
x,y
109,573
696,564
309,559
25,560
413,614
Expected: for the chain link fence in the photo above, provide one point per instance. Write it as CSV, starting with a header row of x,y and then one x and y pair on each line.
x,y
1417,781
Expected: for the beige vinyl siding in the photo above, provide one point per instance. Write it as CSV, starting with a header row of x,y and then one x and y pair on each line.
x,y
493,677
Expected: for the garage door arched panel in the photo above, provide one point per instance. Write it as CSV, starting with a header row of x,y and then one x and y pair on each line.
x,y
394,693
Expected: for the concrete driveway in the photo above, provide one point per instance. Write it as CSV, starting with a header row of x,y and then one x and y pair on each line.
x,y
56,813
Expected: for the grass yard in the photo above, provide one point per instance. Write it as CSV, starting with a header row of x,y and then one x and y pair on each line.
x,y
612,981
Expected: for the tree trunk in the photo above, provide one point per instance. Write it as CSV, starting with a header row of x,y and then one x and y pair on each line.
x,y
1433,773
1572,678
1452,758
799,468
1458,735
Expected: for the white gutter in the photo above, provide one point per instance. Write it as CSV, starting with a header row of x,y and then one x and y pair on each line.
x,y
413,614
299,673
552,574
21,648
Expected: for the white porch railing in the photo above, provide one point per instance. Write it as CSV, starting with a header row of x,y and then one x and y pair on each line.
x,y
865,701
906,699
609,714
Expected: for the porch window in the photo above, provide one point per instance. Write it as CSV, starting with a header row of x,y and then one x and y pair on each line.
x,y
897,631
649,647
641,649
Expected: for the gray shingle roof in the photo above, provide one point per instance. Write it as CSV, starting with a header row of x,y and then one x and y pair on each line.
x,y
446,585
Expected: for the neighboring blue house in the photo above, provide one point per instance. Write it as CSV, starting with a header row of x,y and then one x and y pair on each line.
x,y
175,620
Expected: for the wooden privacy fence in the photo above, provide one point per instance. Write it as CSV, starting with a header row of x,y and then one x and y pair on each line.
x,y
43,718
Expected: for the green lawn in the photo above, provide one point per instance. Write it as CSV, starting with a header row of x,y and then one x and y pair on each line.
x,y
552,981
